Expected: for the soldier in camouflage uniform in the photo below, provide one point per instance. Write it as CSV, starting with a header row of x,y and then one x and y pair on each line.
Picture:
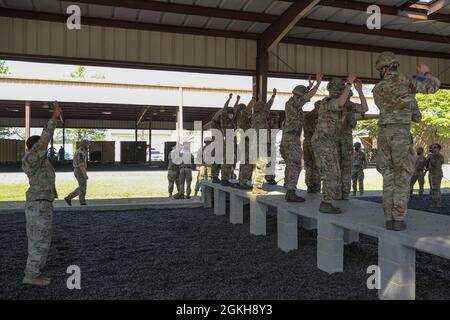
x,y
185,178
434,166
223,120
173,173
312,175
290,147
80,165
243,118
260,116
204,170
359,163
39,201
272,123
325,141
347,122
419,171
395,97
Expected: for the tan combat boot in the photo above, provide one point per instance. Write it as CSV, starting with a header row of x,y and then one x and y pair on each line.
x,y
292,197
40,281
326,207
389,225
398,225
259,191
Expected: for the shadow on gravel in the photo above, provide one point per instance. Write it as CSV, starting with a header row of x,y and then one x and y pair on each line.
x,y
190,254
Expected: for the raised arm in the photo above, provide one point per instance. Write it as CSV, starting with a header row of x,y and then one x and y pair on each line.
x,y
47,133
250,105
363,107
345,94
228,101
270,102
312,92
424,82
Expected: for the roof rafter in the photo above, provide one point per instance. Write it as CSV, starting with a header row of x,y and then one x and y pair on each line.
x,y
278,30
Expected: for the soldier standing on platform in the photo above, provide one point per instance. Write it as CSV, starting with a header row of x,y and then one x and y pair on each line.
x,y
394,95
290,148
312,175
272,123
204,170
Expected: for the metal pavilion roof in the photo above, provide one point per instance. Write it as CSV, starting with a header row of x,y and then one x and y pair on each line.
x,y
331,22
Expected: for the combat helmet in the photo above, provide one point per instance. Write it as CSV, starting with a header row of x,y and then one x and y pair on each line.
x,y
386,59
357,145
84,143
207,140
336,85
300,90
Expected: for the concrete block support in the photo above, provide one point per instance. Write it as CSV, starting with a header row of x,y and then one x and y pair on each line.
x,y
330,245
397,270
220,202
258,216
236,209
207,196
350,236
287,230
308,223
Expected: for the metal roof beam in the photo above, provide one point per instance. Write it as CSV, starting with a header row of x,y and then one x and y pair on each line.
x,y
278,30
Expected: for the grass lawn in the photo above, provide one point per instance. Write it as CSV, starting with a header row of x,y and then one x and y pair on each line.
x,y
137,184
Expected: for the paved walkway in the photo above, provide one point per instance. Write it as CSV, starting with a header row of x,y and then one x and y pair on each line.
x,y
110,204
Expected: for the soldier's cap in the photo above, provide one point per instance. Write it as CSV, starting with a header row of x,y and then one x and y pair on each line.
x,y
419,148
300,90
336,85
436,145
31,141
357,144
207,139
386,59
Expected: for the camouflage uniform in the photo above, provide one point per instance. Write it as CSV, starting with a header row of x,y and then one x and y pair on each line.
x,y
204,171
347,122
419,173
290,147
173,173
325,148
273,123
39,201
261,111
80,163
312,175
244,122
435,174
359,163
226,122
185,178
394,96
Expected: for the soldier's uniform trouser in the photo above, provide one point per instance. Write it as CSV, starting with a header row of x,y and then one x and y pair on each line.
x,y
39,217
395,161
226,169
345,151
291,151
259,172
204,173
435,187
82,187
245,169
185,179
358,178
418,176
172,176
312,175
327,159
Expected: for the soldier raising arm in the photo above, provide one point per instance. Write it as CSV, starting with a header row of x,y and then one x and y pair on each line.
x,y
39,201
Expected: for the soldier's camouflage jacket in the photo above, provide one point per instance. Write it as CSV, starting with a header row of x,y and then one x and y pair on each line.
x,y
294,115
395,97
39,170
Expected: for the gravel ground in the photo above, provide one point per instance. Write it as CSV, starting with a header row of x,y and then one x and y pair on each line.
x,y
422,203
190,254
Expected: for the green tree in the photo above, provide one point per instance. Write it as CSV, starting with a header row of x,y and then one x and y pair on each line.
x,y
10,132
435,109
74,135
79,73
4,69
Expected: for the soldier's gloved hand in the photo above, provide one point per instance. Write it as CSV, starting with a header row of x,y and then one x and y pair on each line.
x,y
422,69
